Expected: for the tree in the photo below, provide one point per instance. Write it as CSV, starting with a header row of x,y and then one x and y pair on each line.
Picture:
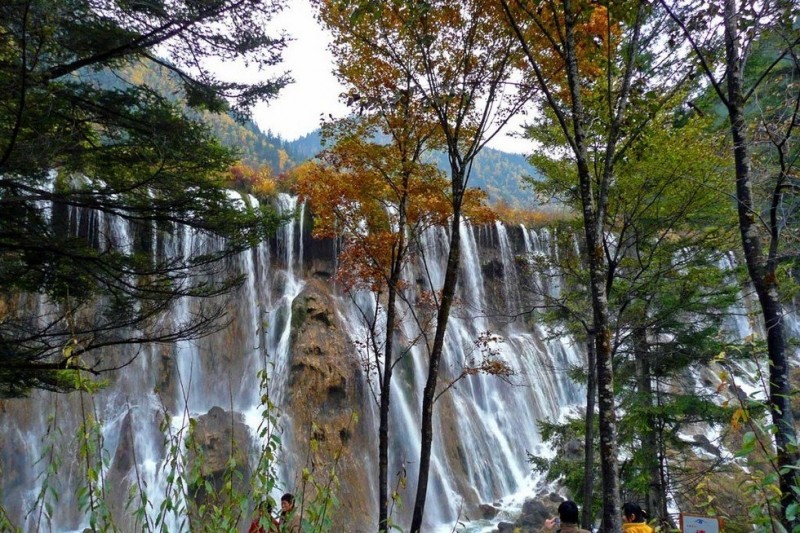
x,y
667,297
377,198
670,294
723,41
73,152
460,62
602,77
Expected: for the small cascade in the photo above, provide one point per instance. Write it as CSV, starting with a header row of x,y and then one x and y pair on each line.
x,y
511,282
289,286
736,323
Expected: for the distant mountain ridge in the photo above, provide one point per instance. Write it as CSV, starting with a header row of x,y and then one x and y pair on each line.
x,y
494,171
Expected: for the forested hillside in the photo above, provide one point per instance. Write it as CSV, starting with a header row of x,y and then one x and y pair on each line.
x,y
498,173
255,147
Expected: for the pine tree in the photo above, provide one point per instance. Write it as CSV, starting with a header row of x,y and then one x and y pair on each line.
x,y
72,147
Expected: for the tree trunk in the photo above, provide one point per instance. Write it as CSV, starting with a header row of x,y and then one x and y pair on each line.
x,y
429,393
588,463
668,523
383,430
763,279
612,520
593,229
398,259
649,440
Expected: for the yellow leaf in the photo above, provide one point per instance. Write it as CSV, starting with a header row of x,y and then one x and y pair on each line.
x,y
739,416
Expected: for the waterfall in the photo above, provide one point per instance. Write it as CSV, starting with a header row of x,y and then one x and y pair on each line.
x,y
484,425
481,444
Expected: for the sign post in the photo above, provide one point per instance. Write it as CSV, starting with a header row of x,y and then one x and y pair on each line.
x,y
699,524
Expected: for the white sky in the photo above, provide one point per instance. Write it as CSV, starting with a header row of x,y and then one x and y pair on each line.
x,y
298,108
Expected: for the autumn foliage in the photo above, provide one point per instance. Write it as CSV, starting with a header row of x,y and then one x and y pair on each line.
x,y
596,39
256,181
530,218
355,190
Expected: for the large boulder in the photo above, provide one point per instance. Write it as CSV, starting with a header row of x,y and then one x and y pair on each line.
x,y
488,511
534,513
219,453
326,395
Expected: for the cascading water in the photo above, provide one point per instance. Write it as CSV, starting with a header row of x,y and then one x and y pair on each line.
x,y
484,425
480,443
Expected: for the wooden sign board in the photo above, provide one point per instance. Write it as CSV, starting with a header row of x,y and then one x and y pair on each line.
x,y
699,524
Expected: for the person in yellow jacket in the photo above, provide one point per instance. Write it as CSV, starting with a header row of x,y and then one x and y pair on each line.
x,y
633,519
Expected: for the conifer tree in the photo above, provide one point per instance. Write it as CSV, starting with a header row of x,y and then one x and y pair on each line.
x,y
72,148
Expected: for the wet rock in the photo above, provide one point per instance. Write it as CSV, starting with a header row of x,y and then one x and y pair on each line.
x,y
701,441
124,458
166,383
220,439
318,254
534,513
16,474
325,389
311,305
221,435
573,450
493,269
488,511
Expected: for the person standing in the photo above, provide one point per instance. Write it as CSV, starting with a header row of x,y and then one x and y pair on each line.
x,y
567,520
263,509
633,519
290,519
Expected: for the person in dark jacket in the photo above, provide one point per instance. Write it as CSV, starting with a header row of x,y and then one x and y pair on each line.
x,y
567,520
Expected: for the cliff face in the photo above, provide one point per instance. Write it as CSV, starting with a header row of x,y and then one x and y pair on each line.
x,y
290,318
326,399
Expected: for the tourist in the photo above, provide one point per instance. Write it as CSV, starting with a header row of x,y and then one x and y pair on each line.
x,y
567,520
633,519
264,508
290,519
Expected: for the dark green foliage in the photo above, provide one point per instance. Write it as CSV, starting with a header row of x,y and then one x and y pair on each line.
x,y
668,294
566,465
80,157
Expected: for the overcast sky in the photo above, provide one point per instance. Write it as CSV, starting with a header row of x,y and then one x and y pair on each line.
x,y
315,91
298,108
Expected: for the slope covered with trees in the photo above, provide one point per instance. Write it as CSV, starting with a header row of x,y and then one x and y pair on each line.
x,y
249,144
501,175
